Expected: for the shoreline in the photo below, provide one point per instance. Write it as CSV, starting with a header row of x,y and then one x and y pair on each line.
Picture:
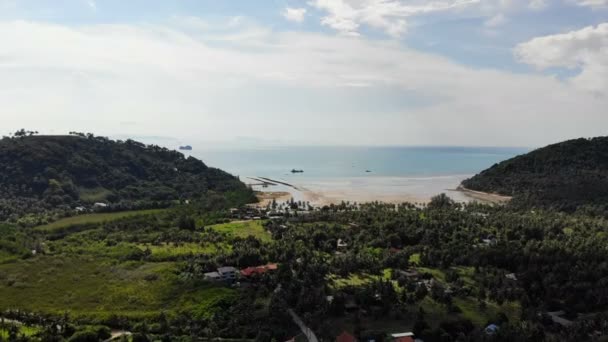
x,y
484,196
394,190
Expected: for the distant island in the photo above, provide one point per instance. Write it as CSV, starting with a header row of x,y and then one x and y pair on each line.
x,y
186,148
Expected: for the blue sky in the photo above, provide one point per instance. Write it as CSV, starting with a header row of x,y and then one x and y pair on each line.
x,y
374,72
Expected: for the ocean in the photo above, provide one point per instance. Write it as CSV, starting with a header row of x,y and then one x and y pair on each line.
x,y
333,174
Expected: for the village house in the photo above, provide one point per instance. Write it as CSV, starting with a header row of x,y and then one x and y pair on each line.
x,y
489,241
227,273
251,271
409,273
213,276
224,273
557,318
491,329
345,337
403,337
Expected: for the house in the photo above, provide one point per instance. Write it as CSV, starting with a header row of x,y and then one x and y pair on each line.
x,y
213,276
403,337
227,273
251,271
491,329
511,276
346,337
99,205
409,273
489,242
556,317
341,244
80,209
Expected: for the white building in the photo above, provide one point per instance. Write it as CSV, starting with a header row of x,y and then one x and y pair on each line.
x,y
227,273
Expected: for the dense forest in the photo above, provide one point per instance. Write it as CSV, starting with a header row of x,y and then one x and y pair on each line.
x,y
445,272
564,176
56,174
197,263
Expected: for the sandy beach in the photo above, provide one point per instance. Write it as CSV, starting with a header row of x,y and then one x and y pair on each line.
x,y
266,197
369,189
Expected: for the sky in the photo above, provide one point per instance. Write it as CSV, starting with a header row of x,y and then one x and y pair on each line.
x,y
310,72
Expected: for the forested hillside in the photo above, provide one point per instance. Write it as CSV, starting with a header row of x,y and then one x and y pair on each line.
x,y
40,174
564,175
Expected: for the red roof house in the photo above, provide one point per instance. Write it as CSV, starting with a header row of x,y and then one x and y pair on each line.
x,y
346,337
250,271
404,339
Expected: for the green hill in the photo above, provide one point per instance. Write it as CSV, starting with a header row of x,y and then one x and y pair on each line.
x,y
563,176
42,174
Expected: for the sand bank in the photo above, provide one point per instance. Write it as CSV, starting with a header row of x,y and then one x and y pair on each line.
x,y
369,189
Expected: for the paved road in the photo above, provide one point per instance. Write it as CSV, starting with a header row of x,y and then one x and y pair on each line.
x,y
310,335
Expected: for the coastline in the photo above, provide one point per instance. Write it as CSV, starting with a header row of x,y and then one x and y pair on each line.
x,y
484,196
416,190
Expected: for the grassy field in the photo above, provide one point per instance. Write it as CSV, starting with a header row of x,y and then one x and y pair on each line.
x,y
6,256
94,195
97,287
23,330
244,229
415,259
94,218
170,250
436,312
358,279
471,310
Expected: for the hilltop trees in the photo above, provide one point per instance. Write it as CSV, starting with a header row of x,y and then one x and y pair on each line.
x,y
564,176
41,174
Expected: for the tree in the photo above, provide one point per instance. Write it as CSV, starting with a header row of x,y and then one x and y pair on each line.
x,y
441,201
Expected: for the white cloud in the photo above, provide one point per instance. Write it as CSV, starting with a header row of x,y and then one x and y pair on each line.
x,y
294,14
308,87
537,4
593,3
92,4
497,20
586,49
390,16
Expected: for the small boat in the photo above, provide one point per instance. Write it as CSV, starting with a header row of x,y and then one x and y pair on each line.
x,y
367,171
297,171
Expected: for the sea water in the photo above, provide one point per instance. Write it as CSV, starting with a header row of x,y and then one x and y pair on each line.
x,y
360,173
